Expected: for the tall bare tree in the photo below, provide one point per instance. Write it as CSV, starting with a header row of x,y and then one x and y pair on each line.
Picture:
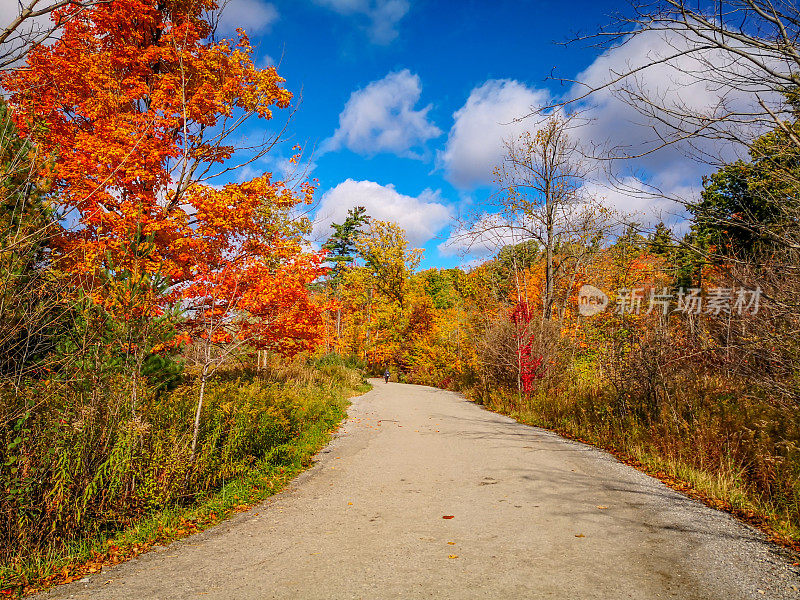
x,y
541,181
746,51
744,57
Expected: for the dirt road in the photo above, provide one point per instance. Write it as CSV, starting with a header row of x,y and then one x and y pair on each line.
x,y
533,516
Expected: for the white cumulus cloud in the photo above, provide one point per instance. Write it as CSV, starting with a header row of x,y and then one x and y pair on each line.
x,y
383,117
475,145
631,199
481,239
254,16
495,112
678,79
422,216
381,16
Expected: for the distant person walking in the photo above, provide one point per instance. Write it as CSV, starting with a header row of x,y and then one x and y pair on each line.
x,y
386,375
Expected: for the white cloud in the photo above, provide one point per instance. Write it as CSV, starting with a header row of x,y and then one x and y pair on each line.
x,y
686,83
8,12
265,61
481,239
422,217
475,144
254,16
382,118
382,16
632,200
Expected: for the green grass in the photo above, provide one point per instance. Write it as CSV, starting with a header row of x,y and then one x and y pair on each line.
x,y
722,484
86,555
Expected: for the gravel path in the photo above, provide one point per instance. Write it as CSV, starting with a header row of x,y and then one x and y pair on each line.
x,y
533,516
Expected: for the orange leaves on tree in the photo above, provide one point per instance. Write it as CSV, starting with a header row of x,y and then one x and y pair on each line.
x,y
248,301
123,103
136,105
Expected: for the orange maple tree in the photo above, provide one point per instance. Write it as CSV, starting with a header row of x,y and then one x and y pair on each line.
x,y
136,105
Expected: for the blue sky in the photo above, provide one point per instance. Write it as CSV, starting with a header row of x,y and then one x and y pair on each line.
x,y
405,103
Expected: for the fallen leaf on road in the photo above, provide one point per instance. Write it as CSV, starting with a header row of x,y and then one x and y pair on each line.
x,y
453,556
601,507
448,516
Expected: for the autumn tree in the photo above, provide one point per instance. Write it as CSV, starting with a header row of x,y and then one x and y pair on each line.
x,y
378,294
252,300
342,250
389,260
540,206
541,178
137,108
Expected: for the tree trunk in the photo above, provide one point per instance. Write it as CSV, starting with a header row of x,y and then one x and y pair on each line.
x,y
369,325
549,273
203,379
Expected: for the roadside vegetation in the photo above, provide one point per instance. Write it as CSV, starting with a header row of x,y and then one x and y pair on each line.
x,y
103,484
705,399
159,363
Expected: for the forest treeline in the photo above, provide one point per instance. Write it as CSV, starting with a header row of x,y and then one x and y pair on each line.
x,y
678,351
